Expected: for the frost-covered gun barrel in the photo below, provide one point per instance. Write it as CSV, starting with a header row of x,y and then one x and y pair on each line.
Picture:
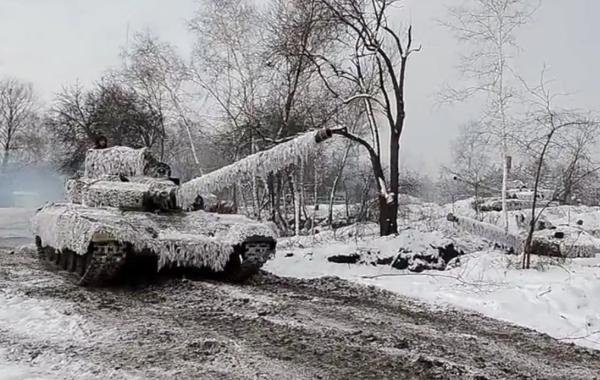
x,y
124,209
260,164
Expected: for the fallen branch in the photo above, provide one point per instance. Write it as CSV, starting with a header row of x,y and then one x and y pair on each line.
x,y
420,274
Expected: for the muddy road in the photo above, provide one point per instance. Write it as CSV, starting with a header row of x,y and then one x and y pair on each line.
x,y
271,328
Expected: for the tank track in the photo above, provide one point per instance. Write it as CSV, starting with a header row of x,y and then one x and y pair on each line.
x,y
103,262
99,266
248,258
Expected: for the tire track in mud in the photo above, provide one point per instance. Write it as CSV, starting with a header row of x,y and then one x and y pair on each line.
x,y
274,328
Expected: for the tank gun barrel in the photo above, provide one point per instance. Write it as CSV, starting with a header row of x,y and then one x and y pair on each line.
x,y
258,164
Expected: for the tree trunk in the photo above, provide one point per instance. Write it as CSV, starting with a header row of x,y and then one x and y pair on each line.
x,y
272,203
244,202
235,198
192,147
504,184
316,195
5,156
388,213
528,242
255,197
285,205
300,189
281,190
296,197
335,183
346,201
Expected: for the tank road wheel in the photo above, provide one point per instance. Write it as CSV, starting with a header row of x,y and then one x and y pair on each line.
x,y
72,261
247,258
98,266
40,250
81,264
63,262
104,260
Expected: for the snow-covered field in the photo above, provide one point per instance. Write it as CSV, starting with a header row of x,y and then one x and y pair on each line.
x,y
559,298
50,329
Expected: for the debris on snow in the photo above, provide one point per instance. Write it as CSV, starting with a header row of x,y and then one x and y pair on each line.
x,y
436,258
344,259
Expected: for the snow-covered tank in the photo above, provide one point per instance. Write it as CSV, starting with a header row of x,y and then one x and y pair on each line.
x,y
126,209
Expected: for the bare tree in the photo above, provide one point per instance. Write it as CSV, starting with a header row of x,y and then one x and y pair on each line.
x,y
305,50
293,33
490,27
227,63
472,172
258,82
577,160
16,111
367,64
548,126
155,72
77,117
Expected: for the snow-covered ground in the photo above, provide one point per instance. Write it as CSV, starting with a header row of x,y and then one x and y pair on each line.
x,y
557,298
20,372
14,226
560,299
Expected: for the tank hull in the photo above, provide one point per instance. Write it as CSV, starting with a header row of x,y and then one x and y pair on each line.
x,y
95,243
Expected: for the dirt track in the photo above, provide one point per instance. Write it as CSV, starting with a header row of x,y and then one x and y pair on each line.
x,y
273,328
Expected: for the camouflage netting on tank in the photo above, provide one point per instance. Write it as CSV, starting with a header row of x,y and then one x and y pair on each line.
x,y
565,241
118,160
137,193
260,164
490,232
181,239
75,188
130,195
126,195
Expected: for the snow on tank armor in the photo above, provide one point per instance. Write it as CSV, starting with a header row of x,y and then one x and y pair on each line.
x,y
126,207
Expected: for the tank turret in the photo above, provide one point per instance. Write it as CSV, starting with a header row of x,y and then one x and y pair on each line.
x,y
125,178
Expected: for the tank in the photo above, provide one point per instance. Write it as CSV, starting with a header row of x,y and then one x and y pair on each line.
x,y
126,212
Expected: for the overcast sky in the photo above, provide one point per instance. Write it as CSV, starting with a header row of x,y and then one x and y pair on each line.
x,y
56,42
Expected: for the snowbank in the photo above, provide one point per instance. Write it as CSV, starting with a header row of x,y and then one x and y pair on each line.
x,y
558,299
